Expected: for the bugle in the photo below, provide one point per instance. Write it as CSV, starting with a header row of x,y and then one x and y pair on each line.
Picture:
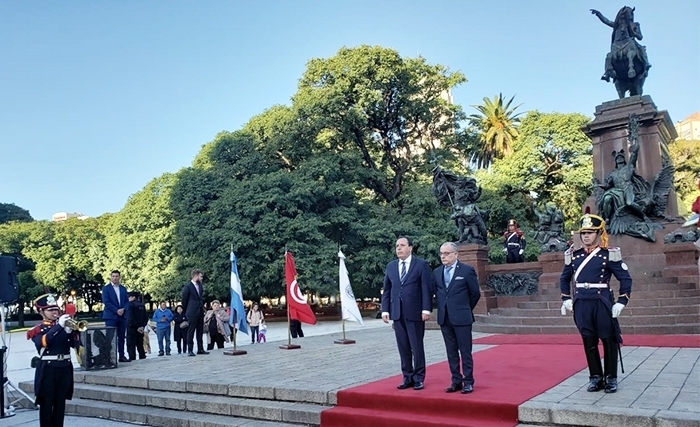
x,y
77,325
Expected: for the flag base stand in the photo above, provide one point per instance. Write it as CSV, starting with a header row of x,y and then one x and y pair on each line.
x,y
233,352
290,346
344,341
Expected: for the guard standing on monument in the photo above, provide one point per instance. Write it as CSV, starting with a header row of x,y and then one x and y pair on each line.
x,y
592,300
514,243
53,378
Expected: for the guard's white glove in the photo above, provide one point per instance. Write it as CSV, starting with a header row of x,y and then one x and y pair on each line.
x,y
505,251
567,305
62,320
520,252
617,309
68,330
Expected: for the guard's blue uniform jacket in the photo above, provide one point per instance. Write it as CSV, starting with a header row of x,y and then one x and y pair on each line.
x,y
593,302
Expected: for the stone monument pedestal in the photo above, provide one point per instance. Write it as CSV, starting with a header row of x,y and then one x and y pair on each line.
x,y
478,257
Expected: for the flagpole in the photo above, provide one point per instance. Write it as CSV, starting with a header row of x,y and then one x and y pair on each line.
x,y
234,351
342,320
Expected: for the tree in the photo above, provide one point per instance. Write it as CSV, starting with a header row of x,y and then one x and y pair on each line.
x,y
552,163
10,212
391,110
140,241
686,159
497,127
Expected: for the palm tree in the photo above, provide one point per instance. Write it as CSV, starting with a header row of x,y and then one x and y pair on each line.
x,y
496,125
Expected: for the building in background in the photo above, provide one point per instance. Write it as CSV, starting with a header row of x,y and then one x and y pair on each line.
x,y
689,129
62,216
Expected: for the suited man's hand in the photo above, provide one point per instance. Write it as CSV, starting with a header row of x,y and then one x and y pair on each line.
x,y
425,317
385,318
120,312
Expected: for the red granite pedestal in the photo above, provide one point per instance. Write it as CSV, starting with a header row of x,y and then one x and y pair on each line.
x,y
478,257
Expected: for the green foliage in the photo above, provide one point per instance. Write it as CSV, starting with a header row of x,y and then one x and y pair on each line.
x,y
10,212
686,159
497,128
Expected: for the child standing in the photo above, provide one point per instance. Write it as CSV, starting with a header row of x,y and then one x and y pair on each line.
x,y
263,332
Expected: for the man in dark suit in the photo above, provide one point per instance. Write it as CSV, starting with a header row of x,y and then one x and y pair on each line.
x,y
457,289
193,305
406,300
116,304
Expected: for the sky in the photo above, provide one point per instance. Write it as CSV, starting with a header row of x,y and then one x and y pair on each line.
x,y
97,98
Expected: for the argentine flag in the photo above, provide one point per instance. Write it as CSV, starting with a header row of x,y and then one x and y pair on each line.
x,y
237,309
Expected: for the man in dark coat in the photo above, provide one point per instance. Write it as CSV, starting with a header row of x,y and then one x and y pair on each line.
x,y
406,300
193,304
593,301
53,378
457,290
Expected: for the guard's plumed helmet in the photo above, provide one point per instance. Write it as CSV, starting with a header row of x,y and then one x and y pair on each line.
x,y
513,222
590,222
45,301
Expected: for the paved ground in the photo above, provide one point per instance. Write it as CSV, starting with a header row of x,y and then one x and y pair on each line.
x,y
661,386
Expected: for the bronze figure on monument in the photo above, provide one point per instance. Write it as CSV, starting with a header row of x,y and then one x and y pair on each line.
x,y
550,229
626,63
625,200
461,193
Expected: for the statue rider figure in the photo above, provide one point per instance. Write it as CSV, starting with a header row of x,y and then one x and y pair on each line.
x,y
625,31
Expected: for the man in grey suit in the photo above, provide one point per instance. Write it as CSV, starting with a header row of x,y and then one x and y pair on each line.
x,y
406,299
457,290
193,305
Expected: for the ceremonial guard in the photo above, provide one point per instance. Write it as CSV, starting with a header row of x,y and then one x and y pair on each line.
x,y
592,300
53,378
513,243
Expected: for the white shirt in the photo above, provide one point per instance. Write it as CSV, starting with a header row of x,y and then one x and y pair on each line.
x,y
116,291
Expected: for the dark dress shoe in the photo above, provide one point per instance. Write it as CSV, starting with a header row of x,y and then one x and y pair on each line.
x,y
453,388
596,383
418,385
124,359
404,385
468,388
610,385
202,352
191,354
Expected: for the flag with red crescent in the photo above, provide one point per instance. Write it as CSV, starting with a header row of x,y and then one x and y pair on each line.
x,y
299,309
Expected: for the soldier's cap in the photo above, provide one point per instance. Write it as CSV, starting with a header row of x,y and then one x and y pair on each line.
x,y
592,222
512,222
134,294
46,301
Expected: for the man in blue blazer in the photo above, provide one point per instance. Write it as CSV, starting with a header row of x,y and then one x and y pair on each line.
x,y
406,299
457,290
116,304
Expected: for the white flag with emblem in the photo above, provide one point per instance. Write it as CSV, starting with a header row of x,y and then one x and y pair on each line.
x,y
347,298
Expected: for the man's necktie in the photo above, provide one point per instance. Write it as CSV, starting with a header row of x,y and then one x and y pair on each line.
x,y
403,271
446,275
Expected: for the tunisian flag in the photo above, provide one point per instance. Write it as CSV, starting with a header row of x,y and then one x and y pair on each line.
x,y
299,309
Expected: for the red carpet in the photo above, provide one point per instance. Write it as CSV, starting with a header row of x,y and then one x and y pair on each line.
x,y
506,376
683,341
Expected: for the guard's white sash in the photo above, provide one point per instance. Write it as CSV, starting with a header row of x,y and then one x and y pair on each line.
x,y
585,261
511,235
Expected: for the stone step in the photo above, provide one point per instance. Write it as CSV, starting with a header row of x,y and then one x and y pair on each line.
x,y
626,330
195,404
162,417
636,287
630,310
550,320
642,295
634,302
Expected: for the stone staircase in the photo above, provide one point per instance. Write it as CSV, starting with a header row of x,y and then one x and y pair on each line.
x,y
200,405
659,305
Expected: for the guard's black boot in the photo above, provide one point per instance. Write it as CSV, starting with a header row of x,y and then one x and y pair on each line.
x,y
595,368
610,352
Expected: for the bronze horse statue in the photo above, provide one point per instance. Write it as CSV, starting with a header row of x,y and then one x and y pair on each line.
x,y
627,63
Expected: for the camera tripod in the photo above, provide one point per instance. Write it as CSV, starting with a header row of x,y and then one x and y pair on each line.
x,y
7,408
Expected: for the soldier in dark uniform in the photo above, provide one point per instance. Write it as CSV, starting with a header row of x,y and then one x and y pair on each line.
x,y
136,321
593,301
53,378
513,243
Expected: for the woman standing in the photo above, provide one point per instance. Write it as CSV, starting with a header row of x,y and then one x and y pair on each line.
x,y
255,317
216,326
